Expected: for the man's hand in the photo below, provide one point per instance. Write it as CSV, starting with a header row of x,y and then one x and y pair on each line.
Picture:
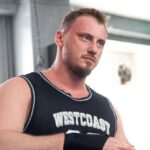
x,y
115,144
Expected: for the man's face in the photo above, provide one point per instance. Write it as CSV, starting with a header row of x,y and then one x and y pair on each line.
x,y
82,45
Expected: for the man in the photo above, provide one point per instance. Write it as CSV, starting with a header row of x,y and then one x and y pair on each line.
x,y
55,109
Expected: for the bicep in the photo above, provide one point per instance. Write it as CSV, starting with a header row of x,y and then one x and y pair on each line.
x,y
15,102
120,134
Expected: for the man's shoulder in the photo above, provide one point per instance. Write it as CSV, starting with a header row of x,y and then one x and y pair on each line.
x,y
97,94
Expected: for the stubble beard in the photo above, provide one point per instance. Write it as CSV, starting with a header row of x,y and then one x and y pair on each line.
x,y
79,71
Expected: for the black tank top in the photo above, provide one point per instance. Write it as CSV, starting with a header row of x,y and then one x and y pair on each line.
x,y
54,111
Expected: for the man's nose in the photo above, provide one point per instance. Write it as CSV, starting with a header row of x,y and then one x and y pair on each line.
x,y
93,48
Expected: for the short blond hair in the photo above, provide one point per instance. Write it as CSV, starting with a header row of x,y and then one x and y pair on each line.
x,y
73,15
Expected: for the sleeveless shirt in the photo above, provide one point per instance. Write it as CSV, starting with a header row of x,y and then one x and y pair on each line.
x,y
54,111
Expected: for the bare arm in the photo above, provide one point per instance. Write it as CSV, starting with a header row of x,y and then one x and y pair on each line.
x,y
12,140
15,101
119,142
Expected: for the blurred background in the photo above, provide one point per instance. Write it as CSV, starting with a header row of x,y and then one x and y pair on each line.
x,y
27,29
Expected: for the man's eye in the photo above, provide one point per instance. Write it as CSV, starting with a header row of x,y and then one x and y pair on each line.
x,y
101,44
86,38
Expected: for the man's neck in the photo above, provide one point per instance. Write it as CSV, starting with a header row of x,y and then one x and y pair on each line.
x,y
67,82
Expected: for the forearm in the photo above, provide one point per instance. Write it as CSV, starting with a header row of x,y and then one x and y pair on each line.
x,y
10,140
114,143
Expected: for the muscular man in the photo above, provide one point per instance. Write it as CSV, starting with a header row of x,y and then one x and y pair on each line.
x,y
55,109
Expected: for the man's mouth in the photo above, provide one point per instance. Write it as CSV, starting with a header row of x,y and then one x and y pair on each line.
x,y
89,58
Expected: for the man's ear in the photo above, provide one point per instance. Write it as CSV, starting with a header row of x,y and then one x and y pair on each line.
x,y
59,38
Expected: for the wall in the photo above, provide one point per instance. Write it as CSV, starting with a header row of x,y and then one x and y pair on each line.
x,y
35,24
46,18
132,98
23,48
